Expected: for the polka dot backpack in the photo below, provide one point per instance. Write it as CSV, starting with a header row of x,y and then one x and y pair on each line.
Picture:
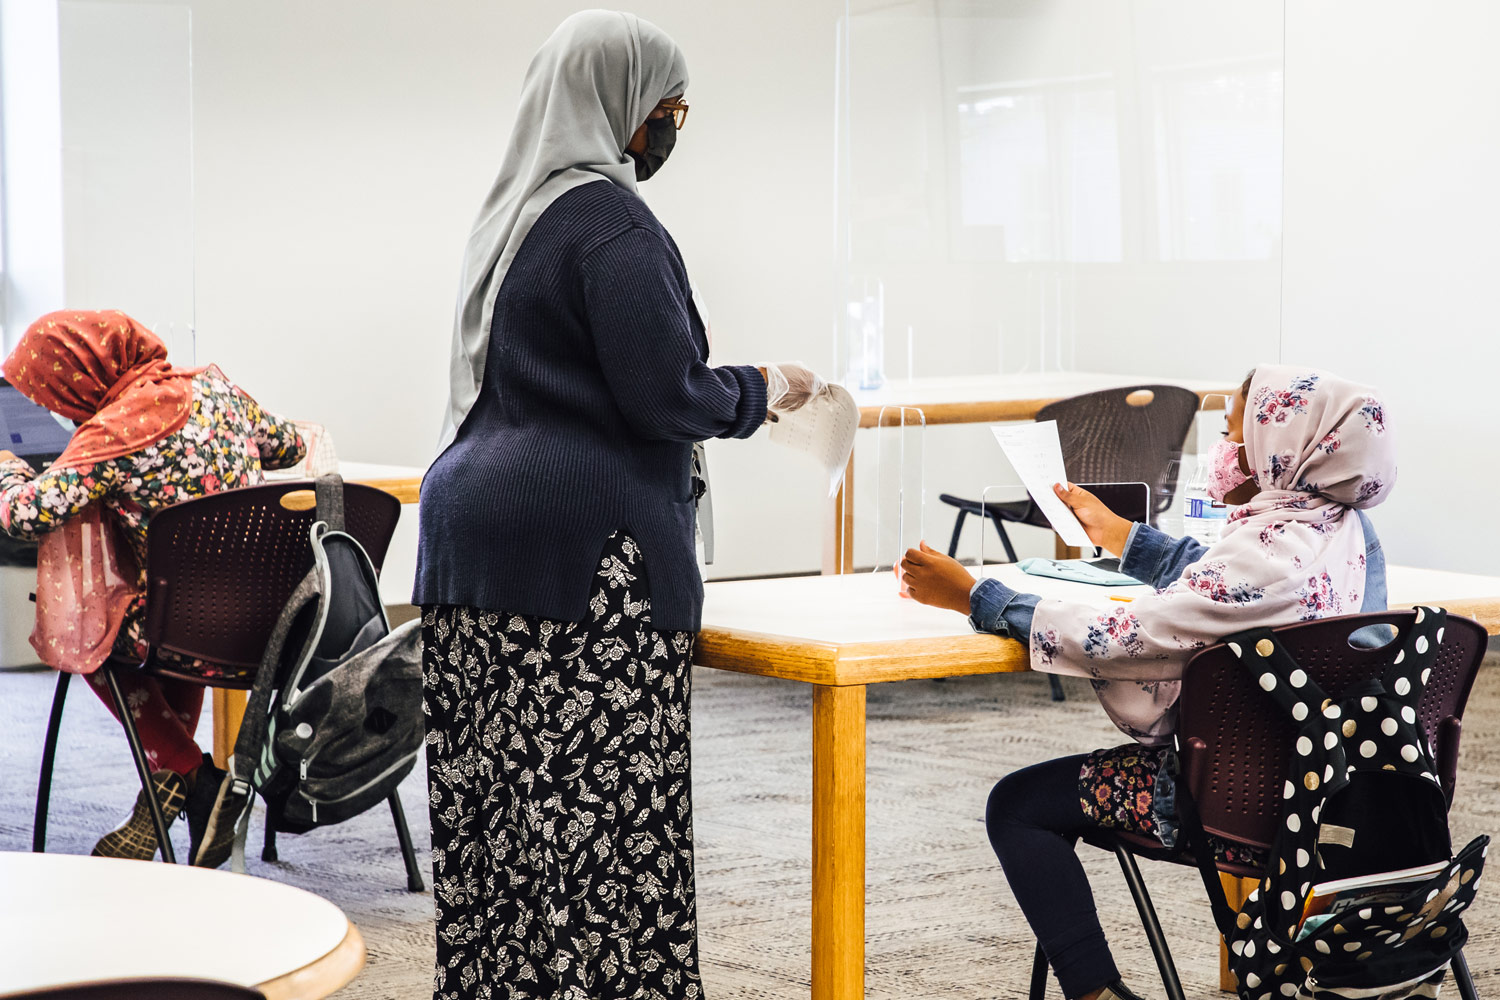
x,y
1363,798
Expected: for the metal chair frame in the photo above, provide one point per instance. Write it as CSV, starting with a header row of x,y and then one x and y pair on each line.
x,y
1246,809
186,539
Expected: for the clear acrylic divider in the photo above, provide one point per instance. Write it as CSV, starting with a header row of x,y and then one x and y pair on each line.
x,y
900,490
1007,497
1130,500
1202,518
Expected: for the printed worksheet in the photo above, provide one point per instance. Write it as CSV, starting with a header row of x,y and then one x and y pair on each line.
x,y
824,429
1036,454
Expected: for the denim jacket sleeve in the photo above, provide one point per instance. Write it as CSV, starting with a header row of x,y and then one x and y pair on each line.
x,y
1156,558
1375,587
995,608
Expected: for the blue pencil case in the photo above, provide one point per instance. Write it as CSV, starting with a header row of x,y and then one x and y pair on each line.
x,y
1077,571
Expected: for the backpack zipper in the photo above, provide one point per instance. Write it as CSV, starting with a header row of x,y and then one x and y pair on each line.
x,y
362,788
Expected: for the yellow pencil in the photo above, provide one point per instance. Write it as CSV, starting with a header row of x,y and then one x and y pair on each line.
x,y
1122,600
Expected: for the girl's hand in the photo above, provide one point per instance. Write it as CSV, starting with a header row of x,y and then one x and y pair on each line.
x,y
931,577
1105,528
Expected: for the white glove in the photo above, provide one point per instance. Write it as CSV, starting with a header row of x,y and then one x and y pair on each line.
x,y
790,387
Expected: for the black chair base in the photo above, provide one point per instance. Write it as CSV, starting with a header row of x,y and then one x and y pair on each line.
x,y
414,880
1150,923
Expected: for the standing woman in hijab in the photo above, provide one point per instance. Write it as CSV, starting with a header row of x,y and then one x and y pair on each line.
x,y
556,667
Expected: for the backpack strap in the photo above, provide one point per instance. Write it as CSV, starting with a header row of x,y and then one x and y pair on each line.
x,y
1407,676
330,492
252,737
1195,839
1277,674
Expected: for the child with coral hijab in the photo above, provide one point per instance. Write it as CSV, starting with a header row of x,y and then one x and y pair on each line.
x,y
149,435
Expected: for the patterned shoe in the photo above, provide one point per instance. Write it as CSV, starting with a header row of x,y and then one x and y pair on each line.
x,y
136,837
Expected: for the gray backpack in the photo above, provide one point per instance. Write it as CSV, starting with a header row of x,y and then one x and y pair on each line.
x,y
334,721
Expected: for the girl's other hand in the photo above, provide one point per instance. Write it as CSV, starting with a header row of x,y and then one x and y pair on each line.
x,y
930,577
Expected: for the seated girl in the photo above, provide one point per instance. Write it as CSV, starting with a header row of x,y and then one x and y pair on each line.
x,y
149,436
1306,452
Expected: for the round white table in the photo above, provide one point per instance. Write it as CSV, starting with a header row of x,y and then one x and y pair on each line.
x,y
67,919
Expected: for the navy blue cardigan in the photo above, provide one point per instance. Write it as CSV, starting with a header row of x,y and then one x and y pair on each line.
x,y
595,387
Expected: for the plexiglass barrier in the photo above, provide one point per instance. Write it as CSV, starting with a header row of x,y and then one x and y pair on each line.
x,y
900,488
1012,506
1028,188
127,131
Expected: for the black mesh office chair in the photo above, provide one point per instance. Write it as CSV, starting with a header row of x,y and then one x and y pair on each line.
x,y
1132,434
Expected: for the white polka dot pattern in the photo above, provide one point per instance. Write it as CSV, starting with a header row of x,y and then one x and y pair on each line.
x,y
1369,733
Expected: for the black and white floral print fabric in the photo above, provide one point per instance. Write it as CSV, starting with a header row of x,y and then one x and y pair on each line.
x,y
558,776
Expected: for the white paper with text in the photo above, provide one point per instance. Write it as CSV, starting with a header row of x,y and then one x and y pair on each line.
x,y
1036,454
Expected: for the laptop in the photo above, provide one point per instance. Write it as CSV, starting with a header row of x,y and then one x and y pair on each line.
x,y
32,432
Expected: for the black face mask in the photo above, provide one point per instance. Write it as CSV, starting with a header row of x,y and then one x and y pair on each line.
x,y
661,135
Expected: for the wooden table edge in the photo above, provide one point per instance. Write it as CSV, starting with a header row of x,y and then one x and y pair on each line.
x,y
987,411
846,664
1481,609
324,976
407,490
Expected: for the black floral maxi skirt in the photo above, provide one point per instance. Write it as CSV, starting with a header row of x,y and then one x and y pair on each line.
x,y
557,771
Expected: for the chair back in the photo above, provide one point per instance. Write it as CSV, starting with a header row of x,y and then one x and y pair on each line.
x,y
1132,434
220,568
1236,743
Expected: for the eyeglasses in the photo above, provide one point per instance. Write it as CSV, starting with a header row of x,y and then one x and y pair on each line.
x,y
678,109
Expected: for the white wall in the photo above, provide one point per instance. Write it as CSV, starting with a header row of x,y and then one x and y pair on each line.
x,y
33,162
127,143
342,147
1392,211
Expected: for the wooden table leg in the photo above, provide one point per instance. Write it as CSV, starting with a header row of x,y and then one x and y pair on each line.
x,y
838,843
838,534
1236,890
229,712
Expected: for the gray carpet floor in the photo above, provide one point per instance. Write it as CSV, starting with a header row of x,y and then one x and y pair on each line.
x,y
940,921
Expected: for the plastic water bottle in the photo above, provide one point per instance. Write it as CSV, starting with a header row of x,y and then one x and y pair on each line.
x,y
1203,519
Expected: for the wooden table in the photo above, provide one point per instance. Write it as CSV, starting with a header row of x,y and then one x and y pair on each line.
x,y
973,399
68,920
840,633
404,482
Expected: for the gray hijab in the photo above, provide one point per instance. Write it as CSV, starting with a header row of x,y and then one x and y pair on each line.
x,y
588,89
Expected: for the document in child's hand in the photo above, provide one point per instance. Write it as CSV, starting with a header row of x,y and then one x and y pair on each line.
x,y
1036,454
824,429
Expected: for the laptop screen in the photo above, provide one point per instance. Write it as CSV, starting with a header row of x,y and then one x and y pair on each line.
x,y
31,431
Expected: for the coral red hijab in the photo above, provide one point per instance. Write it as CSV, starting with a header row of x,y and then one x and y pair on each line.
x,y
108,373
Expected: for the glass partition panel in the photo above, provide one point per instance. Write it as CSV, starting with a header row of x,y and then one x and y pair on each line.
x,y
900,490
127,132
1063,186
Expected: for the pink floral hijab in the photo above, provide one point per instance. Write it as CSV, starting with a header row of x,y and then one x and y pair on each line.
x,y
1318,446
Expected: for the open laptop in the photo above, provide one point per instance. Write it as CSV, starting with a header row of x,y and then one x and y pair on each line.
x,y
32,432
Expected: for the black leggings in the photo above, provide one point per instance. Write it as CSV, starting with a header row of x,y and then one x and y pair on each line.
x,y
1034,819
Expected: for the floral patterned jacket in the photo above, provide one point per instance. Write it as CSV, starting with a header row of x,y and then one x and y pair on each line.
x,y
226,442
